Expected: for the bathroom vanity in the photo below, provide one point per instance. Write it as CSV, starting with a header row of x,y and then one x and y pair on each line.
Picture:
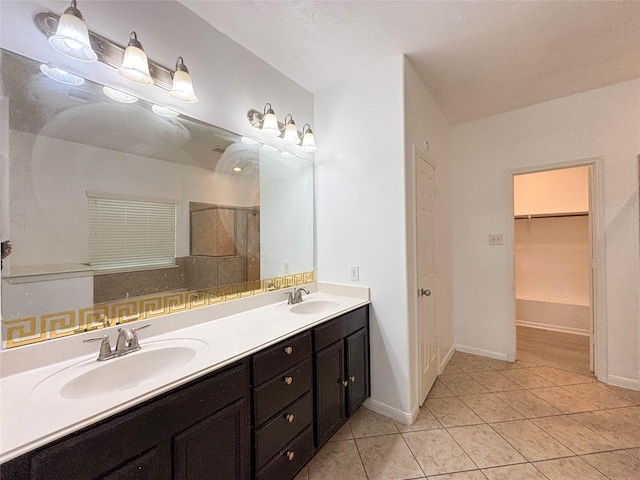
x,y
261,416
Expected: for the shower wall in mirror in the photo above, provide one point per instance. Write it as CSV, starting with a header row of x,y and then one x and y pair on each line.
x,y
116,214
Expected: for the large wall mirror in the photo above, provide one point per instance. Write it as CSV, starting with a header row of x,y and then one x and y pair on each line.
x,y
115,213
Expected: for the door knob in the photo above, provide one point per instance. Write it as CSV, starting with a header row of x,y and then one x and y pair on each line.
x,y
422,291
288,380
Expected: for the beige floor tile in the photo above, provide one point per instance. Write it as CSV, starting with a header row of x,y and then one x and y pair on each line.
x,y
632,395
526,378
451,411
615,465
527,360
344,433
499,364
490,408
439,390
494,381
462,384
485,447
524,471
424,421
528,404
365,423
388,457
470,475
459,357
337,460
450,369
597,396
475,364
634,451
530,440
303,475
563,400
616,425
437,452
561,377
573,435
568,468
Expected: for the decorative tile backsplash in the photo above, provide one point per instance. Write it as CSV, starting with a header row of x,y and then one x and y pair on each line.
x,y
24,331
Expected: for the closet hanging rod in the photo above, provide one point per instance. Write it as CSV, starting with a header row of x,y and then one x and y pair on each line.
x,y
552,215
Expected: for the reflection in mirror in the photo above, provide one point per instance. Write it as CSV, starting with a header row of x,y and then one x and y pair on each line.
x,y
115,213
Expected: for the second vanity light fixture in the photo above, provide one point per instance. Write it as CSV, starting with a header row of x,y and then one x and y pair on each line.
x,y
69,35
268,124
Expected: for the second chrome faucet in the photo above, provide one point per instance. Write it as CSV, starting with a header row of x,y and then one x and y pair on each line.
x,y
127,343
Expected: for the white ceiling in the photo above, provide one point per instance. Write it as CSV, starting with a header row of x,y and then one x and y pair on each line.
x,y
477,58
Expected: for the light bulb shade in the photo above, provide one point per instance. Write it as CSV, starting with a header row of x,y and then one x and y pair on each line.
x,y
164,111
182,89
135,65
308,142
291,134
270,124
72,36
119,96
60,75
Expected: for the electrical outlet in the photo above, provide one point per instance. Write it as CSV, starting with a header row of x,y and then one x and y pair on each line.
x,y
495,239
286,267
354,273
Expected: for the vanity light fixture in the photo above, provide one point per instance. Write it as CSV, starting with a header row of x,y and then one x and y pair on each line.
x,y
290,131
270,125
119,96
308,140
72,36
164,111
182,89
60,75
135,65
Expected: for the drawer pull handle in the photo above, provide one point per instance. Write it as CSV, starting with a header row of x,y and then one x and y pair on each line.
x,y
288,380
289,417
288,350
290,455
352,378
345,384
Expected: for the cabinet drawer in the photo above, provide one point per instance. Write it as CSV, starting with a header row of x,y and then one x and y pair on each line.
x,y
276,394
285,465
274,435
278,358
340,327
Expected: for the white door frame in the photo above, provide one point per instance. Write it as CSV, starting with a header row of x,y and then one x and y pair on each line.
x,y
416,345
599,297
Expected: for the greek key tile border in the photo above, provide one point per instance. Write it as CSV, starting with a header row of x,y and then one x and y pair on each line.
x,y
24,331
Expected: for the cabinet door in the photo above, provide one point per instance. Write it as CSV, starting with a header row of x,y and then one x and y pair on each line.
x,y
357,354
216,447
330,412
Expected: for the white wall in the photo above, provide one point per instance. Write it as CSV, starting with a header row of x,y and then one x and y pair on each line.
x,y
360,212
557,191
603,122
425,122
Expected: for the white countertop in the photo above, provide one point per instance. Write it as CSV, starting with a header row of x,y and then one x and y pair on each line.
x,y
28,420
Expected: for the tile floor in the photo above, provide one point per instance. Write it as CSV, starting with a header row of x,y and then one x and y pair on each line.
x,y
488,419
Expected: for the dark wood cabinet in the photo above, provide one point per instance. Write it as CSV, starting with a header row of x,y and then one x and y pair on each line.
x,y
342,371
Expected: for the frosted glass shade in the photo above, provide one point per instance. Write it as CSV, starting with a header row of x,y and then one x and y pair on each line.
x,y
164,111
60,75
135,66
270,125
72,38
119,96
291,134
182,89
308,142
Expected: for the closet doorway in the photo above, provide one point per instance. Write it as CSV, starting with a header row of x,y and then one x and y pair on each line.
x,y
553,267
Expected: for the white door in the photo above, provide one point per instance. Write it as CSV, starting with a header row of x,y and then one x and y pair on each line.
x,y
427,273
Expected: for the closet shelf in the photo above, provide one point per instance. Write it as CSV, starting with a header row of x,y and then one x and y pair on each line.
x,y
551,215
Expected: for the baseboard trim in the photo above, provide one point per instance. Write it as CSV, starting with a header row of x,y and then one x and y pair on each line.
x,y
553,328
623,382
446,359
481,352
392,413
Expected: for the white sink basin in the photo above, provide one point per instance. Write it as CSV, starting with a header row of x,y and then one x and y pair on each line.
x,y
313,306
91,378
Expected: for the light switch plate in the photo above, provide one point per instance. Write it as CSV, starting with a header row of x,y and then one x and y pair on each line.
x,y
495,239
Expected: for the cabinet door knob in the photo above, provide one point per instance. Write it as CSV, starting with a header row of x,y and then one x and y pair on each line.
x,y
352,378
345,384
288,350
289,417
290,455
288,380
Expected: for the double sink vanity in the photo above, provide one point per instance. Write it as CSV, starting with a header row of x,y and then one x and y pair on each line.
x,y
217,393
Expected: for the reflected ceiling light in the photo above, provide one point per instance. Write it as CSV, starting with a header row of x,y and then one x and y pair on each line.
x,y
286,154
237,169
182,89
135,65
164,111
72,36
270,122
60,75
290,131
308,140
269,148
119,96
249,141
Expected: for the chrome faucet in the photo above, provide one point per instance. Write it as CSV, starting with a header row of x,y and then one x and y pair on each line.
x,y
295,295
127,342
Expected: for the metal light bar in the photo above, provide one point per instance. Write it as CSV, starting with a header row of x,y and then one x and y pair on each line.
x,y
255,118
